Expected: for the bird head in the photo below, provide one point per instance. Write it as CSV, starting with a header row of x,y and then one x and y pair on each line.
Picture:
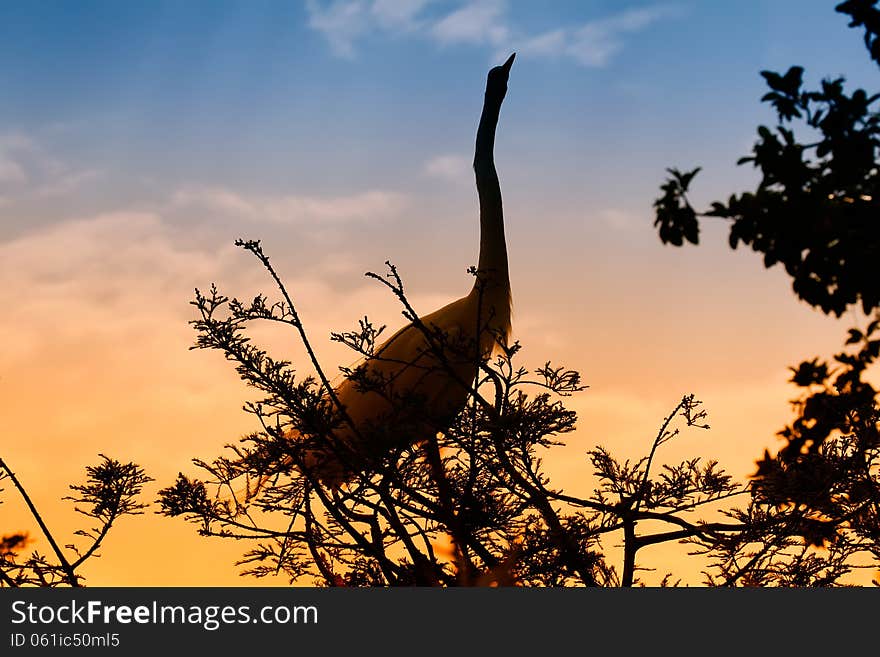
x,y
496,85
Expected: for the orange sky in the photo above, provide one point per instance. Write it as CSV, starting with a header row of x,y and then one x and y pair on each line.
x,y
96,360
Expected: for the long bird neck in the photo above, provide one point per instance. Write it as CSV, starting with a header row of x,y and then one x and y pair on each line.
x,y
492,268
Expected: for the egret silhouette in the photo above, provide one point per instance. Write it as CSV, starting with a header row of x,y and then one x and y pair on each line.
x,y
424,373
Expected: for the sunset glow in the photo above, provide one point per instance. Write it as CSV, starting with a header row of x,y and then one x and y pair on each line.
x,y
139,140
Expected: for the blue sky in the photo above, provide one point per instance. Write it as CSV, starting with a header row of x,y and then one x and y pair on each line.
x,y
225,108
138,140
272,95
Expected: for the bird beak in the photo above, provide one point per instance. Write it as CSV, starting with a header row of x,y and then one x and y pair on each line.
x,y
506,65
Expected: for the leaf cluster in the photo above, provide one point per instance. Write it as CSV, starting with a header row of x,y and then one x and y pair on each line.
x,y
816,209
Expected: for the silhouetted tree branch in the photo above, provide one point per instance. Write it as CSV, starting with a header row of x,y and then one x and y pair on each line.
x,y
109,492
474,506
814,504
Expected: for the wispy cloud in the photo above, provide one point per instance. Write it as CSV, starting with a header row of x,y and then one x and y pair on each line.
x,y
398,14
546,43
12,148
486,23
11,171
618,220
290,209
341,23
456,168
29,169
595,42
478,22
97,269
68,182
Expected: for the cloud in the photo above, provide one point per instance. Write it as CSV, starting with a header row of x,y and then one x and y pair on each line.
x,y
11,171
366,206
12,148
548,43
456,168
96,319
34,172
104,275
341,23
594,43
619,220
398,14
94,351
487,23
478,22
67,183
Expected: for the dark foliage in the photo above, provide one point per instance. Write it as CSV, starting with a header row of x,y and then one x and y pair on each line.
x,y
475,507
814,504
109,492
865,13
816,210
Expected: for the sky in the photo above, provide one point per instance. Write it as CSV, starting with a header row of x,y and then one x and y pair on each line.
x,y
139,140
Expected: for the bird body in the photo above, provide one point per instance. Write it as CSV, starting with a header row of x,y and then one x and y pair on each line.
x,y
423,374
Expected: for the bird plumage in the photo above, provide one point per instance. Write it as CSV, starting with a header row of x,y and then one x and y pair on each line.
x,y
424,382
